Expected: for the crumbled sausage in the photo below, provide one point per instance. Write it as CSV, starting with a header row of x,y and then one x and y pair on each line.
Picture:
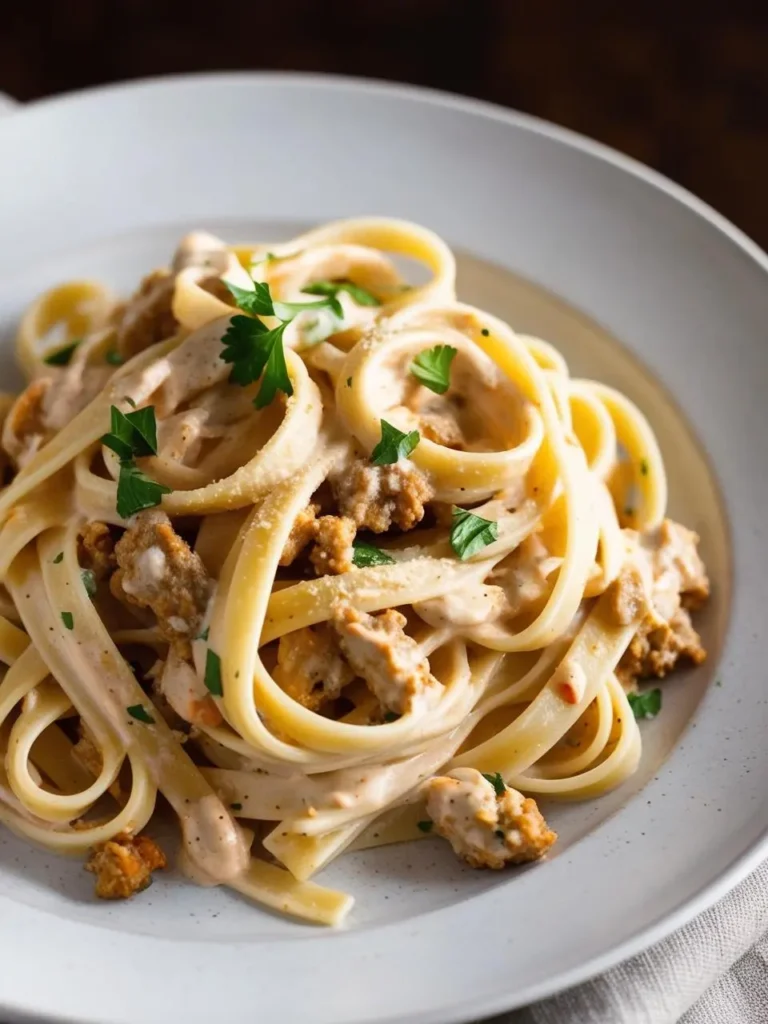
x,y
375,497
391,662
626,596
158,570
147,316
332,552
96,550
310,667
486,829
442,428
24,429
679,583
302,532
86,752
124,865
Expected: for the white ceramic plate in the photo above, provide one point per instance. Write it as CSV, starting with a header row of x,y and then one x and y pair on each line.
x,y
567,239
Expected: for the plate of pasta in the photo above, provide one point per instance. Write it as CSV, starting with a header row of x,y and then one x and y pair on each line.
x,y
366,556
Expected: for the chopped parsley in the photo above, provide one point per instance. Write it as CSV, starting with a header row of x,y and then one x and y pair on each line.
x,y
204,634
140,713
485,332
432,367
718,682
212,677
89,582
366,555
629,511
394,445
391,716
113,358
61,356
236,806
132,436
256,351
425,826
643,467
59,558
331,289
471,533
68,619
645,705
349,382
496,781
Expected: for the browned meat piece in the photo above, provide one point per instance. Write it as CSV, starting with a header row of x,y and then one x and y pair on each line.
x,y
390,661
158,570
310,667
302,532
96,550
442,428
24,429
332,551
627,596
375,497
656,648
124,865
147,317
485,828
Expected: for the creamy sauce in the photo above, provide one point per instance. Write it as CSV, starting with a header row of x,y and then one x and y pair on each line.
x,y
215,849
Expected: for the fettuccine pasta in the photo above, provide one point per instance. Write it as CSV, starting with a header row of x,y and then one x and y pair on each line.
x,y
329,560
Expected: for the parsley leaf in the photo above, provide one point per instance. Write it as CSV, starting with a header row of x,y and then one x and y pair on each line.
x,y
133,434
366,555
256,301
356,292
254,350
59,558
643,467
204,634
496,781
68,619
471,533
394,445
140,713
236,806
89,582
425,826
288,310
136,491
391,716
61,356
645,705
212,677
114,358
432,368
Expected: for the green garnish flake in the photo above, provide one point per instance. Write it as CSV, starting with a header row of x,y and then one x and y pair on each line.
x,y
89,582
59,558
61,356
643,467
140,713
499,834
718,682
349,382
471,533
394,445
496,781
425,826
485,332
212,677
68,619
391,716
331,289
236,806
366,555
432,368
204,634
113,358
629,511
645,705
134,435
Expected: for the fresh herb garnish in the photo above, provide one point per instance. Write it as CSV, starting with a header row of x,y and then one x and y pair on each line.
x,y
391,716
718,682
140,713
136,491
349,382
643,467
394,445
68,619
113,357
204,634
253,349
496,781
645,705
485,332
425,826
236,807
432,368
59,558
356,292
61,356
366,555
471,533
89,582
212,677
134,435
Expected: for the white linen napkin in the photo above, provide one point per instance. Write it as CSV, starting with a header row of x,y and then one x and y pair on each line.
x,y
712,971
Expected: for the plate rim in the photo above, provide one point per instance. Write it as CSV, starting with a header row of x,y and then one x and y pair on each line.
x,y
749,859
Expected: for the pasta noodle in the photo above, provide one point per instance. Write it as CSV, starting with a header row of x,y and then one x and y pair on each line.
x,y
306,549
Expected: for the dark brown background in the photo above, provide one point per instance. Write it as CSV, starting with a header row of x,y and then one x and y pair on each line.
x,y
682,88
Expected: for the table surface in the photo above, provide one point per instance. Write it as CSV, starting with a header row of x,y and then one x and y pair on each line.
x,y
688,96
